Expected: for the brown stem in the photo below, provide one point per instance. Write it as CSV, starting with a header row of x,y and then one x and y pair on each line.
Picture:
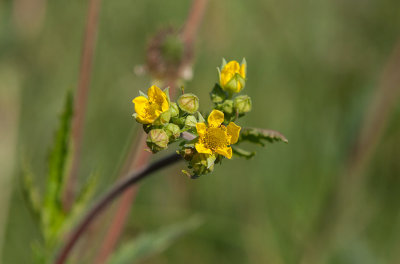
x,y
141,157
347,194
193,21
113,193
81,99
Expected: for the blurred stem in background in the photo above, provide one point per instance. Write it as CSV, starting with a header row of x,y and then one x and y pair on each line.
x,y
9,116
341,208
138,156
81,99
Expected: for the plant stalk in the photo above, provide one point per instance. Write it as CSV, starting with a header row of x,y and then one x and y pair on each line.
x,y
113,193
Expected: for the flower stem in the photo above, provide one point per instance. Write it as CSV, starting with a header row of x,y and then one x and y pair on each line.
x,y
113,193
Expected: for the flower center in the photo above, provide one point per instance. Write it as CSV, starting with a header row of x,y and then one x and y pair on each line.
x,y
150,109
216,137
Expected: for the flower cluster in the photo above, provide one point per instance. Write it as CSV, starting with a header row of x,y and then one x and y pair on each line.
x,y
202,143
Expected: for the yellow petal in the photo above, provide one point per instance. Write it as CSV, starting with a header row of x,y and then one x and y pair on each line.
x,y
140,100
242,71
165,104
142,120
225,78
202,149
141,103
216,118
201,129
153,92
157,96
227,152
232,66
233,131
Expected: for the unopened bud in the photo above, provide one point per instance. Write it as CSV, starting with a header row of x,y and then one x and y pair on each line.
x,y
173,131
242,104
233,76
226,107
157,140
188,103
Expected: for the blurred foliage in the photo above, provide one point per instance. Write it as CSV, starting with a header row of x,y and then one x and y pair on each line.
x,y
314,66
49,214
147,245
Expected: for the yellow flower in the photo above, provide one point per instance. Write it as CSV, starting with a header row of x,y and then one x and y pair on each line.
x,y
232,76
217,138
149,109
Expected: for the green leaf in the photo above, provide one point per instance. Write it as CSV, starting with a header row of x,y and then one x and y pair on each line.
x,y
153,243
258,136
242,153
52,207
30,192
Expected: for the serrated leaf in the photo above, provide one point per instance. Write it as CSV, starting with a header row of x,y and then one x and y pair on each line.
x,y
153,243
242,153
258,136
30,192
52,215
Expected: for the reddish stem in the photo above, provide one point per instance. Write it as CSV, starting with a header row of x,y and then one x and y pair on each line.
x,y
81,99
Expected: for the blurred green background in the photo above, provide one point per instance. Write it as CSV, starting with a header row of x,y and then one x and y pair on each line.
x,y
313,71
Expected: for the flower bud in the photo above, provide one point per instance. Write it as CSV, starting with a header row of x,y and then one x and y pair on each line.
x,y
173,131
190,121
188,103
232,76
157,140
242,104
226,107
174,109
163,118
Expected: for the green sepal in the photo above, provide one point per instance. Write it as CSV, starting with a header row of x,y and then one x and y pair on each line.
x,y
200,118
210,161
223,63
166,91
143,94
